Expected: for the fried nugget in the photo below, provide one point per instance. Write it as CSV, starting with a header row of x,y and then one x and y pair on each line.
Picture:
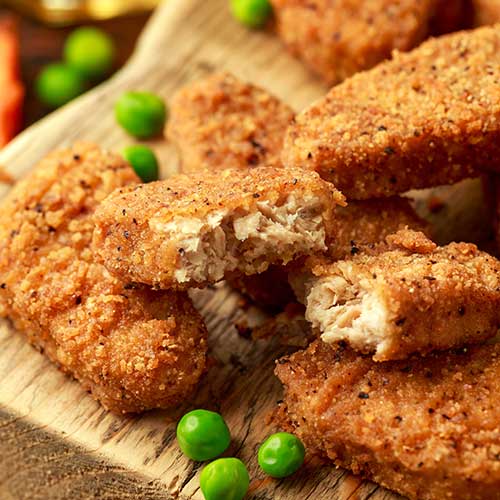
x,y
486,11
133,348
425,427
339,38
425,118
220,122
195,230
406,296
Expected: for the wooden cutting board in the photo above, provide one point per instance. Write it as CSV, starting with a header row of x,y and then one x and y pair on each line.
x,y
56,442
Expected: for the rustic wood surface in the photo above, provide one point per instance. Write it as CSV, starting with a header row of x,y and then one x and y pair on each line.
x,y
55,441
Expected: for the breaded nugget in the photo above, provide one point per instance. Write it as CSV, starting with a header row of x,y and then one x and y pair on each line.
x,y
425,427
133,348
406,296
486,12
337,38
194,230
428,117
221,122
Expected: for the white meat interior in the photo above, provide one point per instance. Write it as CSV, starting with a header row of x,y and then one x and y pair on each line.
x,y
342,309
248,241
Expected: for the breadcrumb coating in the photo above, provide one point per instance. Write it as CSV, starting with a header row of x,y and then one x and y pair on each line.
x,y
425,118
194,230
220,122
425,427
133,348
406,296
338,38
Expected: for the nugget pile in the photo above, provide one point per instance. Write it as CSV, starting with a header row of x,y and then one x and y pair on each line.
x,y
399,383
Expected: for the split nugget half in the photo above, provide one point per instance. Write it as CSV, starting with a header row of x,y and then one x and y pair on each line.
x,y
132,347
220,122
425,118
339,38
194,230
425,427
406,296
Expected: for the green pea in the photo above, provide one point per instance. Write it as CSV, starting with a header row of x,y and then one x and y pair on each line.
x,y
58,84
281,454
202,435
251,13
143,161
224,479
141,114
90,51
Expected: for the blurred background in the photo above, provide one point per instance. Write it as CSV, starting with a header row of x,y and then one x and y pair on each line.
x,y
33,34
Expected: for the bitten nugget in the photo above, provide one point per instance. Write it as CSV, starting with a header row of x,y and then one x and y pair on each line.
x,y
221,122
425,427
428,117
406,296
194,230
339,38
133,348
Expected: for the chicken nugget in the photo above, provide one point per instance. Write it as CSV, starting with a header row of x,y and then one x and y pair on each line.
x,y
195,230
425,427
132,347
339,38
486,12
425,118
220,122
406,296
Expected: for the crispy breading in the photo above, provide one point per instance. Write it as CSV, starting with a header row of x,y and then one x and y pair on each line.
x,y
425,427
427,117
194,230
339,38
485,11
220,122
405,296
133,348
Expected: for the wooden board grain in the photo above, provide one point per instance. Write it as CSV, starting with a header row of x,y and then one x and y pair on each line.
x,y
55,441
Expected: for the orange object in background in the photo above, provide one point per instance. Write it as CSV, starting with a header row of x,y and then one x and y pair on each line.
x,y
11,87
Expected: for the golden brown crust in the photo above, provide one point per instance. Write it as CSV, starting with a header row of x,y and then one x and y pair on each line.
x,y
220,122
131,232
339,38
367,222
133,348
433,297
425,118
425,427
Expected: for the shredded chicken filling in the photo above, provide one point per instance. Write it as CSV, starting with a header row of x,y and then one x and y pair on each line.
x,y
343,310
226,241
